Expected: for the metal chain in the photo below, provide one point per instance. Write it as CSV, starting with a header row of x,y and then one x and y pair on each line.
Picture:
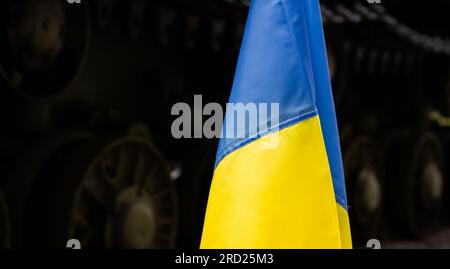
x,y
377,14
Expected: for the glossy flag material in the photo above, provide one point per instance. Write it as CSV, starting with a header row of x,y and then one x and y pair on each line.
x,y
291,195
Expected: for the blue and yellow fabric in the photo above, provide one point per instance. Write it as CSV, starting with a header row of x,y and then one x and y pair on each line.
x,y
291,196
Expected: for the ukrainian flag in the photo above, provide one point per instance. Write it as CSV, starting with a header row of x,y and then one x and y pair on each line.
x,y
293,195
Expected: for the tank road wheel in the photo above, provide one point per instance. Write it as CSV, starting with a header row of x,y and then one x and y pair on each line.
x,y
419,185
42,45
130,181
115,194
365,190
424,192
4,224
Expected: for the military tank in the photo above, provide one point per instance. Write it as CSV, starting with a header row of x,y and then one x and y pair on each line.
x,y
86,91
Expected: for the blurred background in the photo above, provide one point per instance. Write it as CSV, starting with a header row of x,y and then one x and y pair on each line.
x,y
86,91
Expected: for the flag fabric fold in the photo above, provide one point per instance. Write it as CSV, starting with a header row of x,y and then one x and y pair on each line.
x,y
291,195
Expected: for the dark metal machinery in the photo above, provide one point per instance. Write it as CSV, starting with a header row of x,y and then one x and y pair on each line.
x,y
86,90
74,171
389,71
